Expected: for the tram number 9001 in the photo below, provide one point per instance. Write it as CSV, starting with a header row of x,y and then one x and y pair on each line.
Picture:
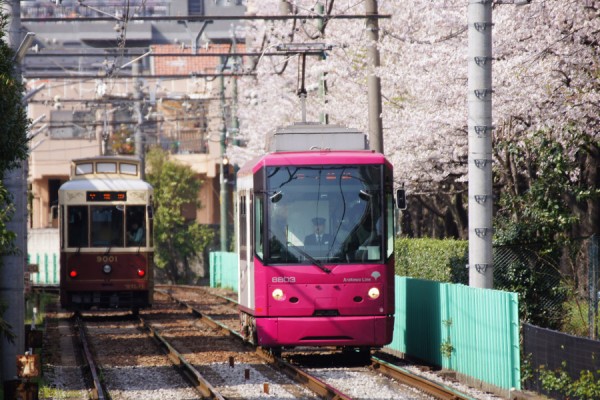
x,y
106,259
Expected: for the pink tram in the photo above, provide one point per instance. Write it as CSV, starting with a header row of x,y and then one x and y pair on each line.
x,y
106,248
315,237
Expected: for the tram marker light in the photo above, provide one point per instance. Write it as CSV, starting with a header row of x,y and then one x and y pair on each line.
x,y
374,293
278,294
73,273
141,273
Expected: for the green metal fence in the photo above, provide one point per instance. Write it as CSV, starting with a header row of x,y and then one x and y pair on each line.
x,y
223,270
48,268
471,331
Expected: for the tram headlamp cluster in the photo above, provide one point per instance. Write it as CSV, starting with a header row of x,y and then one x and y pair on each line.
x,y
278,294
374,293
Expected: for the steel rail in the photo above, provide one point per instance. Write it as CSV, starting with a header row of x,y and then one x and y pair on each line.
x,y
313,383
202,316
98,391
435,389
164,289
295,373
201,384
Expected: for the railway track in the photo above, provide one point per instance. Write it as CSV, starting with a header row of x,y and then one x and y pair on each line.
x,y
128,357
124,362
193,335
315,381
97,389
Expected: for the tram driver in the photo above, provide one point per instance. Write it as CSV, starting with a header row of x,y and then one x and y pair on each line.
x,y
319,237
135,235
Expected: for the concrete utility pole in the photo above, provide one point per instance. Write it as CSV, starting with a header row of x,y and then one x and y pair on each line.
x,y
481,269
323,116
374,83
235,122
140,150
13,268
223,189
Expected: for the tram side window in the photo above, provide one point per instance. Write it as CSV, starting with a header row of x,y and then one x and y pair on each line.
x,y
258,226
77,226
243,237
136,229
107,226
390,232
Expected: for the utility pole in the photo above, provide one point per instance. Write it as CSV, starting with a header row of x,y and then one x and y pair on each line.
x,y
479,98
373,82
235,123
323,116
223,189
137,96
13,268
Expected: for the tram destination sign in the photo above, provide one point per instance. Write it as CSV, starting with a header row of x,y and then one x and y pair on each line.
x,y
105,196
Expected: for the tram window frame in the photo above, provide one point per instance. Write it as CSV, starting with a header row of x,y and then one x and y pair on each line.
x,y
77,237
243,236
106,167
251,222
109,232
136,214
84,168
128,168
259,224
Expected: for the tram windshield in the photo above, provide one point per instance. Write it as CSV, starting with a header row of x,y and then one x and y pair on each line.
x,y
325,214
106,226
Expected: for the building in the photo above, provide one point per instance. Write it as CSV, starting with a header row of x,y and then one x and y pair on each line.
x,y
102,82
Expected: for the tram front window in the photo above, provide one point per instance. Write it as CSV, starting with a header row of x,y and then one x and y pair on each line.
x,y
77,226
325,214
107,226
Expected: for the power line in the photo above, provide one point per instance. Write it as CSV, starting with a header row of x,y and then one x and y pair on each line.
x,y
191,75
210,17
212,54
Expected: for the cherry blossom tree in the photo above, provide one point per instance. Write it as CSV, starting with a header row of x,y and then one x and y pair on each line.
x,y
545,77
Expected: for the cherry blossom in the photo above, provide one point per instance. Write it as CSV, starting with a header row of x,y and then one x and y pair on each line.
x,y
545,77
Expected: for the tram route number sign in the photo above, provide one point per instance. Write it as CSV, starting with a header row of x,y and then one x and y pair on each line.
x,y
105,196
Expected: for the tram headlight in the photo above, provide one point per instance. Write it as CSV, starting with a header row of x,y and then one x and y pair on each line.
x,y
107,268
374,293
278,294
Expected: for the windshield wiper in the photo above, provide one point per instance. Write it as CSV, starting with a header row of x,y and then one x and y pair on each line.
x,y
310,258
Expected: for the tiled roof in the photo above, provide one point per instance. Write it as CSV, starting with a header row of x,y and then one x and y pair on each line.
x,y
176,65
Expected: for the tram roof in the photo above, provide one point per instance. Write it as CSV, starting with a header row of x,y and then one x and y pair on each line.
x,y
355,157
106,184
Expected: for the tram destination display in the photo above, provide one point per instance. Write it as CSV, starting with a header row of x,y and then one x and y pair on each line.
x,y
105,196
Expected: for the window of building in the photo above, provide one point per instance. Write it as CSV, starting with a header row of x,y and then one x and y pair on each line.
x,y
67,124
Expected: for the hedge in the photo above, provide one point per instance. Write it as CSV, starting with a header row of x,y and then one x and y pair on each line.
x,y
442,260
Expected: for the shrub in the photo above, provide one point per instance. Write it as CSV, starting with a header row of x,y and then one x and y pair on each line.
x,y
433,259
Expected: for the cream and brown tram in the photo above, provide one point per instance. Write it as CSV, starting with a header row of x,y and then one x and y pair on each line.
x,y
106,225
